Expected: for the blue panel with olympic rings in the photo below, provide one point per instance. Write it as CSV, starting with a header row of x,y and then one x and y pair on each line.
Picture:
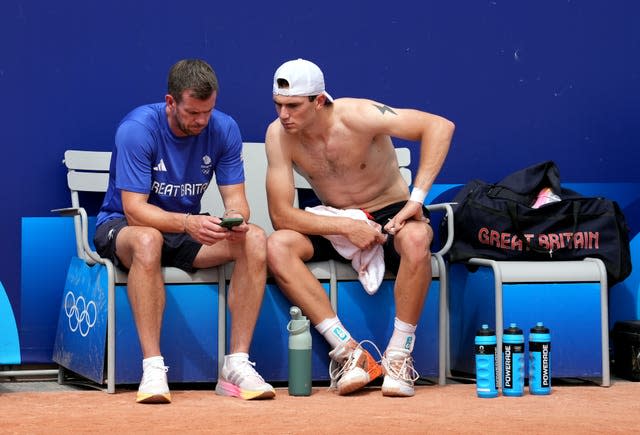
x,y
82,323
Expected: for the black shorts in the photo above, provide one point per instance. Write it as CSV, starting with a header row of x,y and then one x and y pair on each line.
x,y
324,250
179,250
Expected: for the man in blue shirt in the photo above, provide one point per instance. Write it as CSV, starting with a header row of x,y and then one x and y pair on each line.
x,y
164,158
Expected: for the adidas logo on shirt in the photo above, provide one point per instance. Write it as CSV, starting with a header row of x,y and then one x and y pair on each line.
x,y
160,167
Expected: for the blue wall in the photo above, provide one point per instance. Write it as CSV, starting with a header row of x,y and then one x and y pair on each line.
x,y
524,81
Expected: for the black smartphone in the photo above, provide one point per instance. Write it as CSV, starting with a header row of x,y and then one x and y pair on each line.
x,y
228,222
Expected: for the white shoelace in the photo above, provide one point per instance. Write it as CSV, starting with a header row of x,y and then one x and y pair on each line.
x,y
246,368
337,369
155,368
152,375
404,372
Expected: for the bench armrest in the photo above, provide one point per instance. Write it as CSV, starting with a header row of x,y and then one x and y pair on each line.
x,y
82,234
68,211
448,209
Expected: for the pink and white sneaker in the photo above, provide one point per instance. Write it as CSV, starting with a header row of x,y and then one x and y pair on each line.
x,y
240,379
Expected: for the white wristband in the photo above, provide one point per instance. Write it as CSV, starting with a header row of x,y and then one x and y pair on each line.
x,y
418,195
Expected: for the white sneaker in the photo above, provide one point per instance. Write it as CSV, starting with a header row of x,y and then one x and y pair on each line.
x,y
352,367
240,379
399,373
153,386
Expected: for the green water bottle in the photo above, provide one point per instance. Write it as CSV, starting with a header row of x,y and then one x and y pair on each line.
x,y
299,354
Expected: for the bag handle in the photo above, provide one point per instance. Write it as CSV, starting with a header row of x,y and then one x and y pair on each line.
x,y
524,185
513,214
500,192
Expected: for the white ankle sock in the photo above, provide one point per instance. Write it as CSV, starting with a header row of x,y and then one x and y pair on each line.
x,y
333,331
403,335
153,361
233,358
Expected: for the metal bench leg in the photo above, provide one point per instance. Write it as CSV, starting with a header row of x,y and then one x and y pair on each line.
x,y
111,330
222,317
604,322
333,285
443,320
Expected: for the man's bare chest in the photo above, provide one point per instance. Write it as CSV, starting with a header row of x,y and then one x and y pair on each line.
x,y
331,162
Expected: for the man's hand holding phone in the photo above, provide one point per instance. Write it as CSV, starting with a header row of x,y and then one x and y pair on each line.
x,y
209,230
230,222
235,226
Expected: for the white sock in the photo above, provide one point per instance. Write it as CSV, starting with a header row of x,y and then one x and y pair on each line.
x,y
233,358
153,361
403,335
333,331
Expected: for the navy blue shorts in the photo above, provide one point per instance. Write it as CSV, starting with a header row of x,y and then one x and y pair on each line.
x,y
324,250
179,249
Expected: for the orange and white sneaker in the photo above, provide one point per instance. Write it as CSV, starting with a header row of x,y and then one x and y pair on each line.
x,y
399,374
239,379
352,367
153,386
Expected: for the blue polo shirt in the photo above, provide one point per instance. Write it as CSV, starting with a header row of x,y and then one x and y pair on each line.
x,y
174,171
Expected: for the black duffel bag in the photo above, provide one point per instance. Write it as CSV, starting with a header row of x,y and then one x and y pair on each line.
x,y
498,222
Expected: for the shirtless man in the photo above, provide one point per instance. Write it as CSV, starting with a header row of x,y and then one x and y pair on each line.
x,y
344,149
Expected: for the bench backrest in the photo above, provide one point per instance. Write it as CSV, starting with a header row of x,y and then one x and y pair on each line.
x,y
88,171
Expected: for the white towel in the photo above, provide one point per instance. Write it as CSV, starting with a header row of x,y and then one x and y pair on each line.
x,y
369,263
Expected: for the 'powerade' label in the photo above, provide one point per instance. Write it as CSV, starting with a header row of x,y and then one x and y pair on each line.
x,y
486,370
540,352
513,368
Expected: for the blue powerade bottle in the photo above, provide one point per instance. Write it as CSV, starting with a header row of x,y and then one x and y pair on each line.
x,y
539,360
513,361
486,363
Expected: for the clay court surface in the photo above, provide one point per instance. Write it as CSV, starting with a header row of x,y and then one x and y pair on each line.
x,y
44,408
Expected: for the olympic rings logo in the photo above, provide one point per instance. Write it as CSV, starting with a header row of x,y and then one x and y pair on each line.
x,y
82,315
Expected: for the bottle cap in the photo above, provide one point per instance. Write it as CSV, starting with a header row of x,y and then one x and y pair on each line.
x,y
298,322
486,331
295,312
539,329
513,330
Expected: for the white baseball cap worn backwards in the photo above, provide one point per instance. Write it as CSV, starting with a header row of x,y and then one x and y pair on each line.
x,y
304,77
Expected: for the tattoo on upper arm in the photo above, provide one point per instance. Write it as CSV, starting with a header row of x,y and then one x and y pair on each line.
x,y
384,108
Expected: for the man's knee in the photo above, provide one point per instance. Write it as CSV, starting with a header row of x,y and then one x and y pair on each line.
x,y
415,242
281,247
256,236
143,243
256,242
